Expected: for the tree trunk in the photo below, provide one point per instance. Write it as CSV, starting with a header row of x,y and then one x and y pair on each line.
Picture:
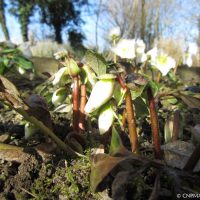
x,y
3,20
143,21
24,28
58,37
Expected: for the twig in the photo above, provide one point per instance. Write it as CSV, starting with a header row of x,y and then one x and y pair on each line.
x,y
67,149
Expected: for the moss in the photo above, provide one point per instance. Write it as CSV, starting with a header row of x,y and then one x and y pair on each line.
x,y
69,179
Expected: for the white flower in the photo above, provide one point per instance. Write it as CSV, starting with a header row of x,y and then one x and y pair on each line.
x,y
163,63
152,53
106,118
58,75
101,93
188,60
59,96
114,33
139,46
125,48
61,54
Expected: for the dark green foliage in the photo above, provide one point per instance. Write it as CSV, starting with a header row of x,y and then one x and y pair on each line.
x,y
12,57
59,14
23,10
3,20
96,62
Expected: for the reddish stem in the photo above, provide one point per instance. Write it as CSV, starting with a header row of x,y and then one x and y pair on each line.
x,y
76,103
130,117
194,158
124,116
131,122
154,124
121,82
82,106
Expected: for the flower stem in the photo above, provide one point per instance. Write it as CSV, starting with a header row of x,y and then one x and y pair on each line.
x,y
194,158
131,122
82,106
158,77
154,124
130,117
76,103
124,116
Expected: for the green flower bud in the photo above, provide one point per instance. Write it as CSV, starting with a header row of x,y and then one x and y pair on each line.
x,y
21,70
106,118
101,93
59,96
29,130
59,74
74,69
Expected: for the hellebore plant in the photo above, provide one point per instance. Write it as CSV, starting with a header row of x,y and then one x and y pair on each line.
x,y
161,61
101,93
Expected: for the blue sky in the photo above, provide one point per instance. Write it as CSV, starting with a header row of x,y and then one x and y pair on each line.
x,y
183,25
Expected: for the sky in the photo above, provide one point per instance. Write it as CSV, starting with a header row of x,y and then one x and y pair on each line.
x,y
181,25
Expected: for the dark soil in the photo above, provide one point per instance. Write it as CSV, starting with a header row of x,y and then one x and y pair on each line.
x,y
55,177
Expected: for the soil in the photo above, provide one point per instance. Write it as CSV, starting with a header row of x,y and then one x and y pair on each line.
x,y
28,175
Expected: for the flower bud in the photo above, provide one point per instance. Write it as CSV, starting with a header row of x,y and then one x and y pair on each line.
x,y
74,69
101,93
21,70
106,118
29,130
59,96
58,75
61,54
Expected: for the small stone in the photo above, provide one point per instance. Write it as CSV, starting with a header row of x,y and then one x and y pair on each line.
x,y
5,137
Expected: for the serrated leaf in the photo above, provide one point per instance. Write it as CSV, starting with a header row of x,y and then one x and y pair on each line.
x,y
96,62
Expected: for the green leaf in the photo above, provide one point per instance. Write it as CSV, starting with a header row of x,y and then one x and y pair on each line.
x,y
154,86
2,68
116,142
23,63
190,101
96,62
137,92
141,108
8,50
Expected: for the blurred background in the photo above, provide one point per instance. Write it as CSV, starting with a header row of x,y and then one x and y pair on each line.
x,y
50,25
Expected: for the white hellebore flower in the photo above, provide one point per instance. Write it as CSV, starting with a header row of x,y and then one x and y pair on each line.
x,y
60,54
188,60
125,48
59,96
152,54
139,46
163,63
101,93
139,50
114,33
58,75
106,118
